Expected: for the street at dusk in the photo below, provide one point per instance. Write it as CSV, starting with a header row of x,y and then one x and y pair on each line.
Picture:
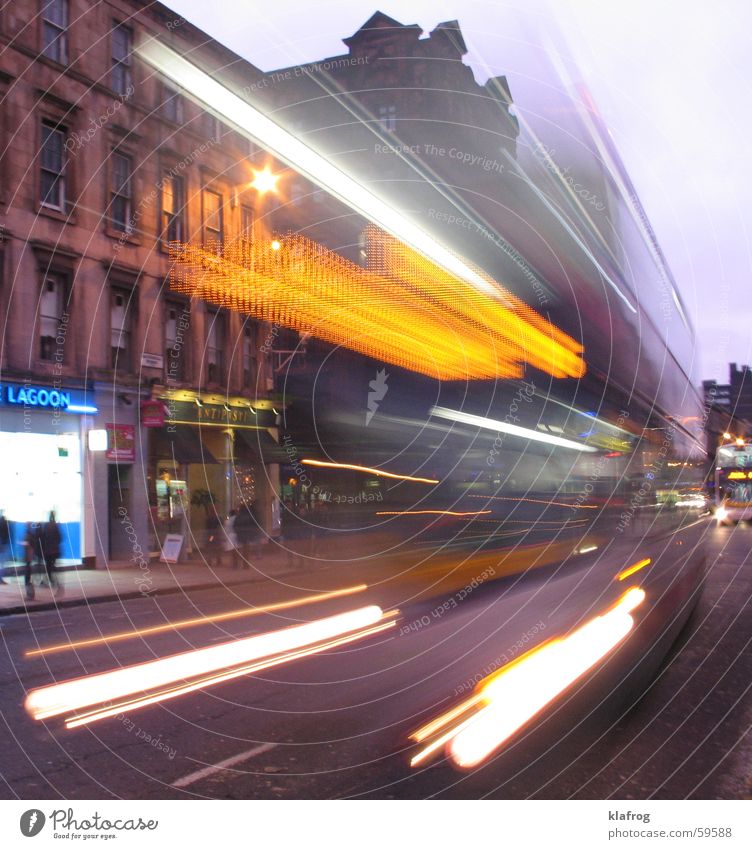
x,y
375,421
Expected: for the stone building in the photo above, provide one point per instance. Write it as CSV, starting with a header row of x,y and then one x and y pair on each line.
x,y
130,411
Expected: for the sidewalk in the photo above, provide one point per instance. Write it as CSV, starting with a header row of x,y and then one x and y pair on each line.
x,y
120,581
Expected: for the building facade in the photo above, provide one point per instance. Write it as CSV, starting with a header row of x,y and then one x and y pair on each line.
x,y
729,408
129,410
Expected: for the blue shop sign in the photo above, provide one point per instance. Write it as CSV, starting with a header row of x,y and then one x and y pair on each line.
x,y
46,398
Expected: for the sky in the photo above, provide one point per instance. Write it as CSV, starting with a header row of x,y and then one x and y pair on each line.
x,y
671,79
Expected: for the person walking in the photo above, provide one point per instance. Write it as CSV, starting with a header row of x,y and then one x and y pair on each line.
x,y
4,545
49,547
214,541
230,541
247,531
30,545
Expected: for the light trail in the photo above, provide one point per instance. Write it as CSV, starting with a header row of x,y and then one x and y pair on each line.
x,y
330,465
537,501
431,513
622,576
201,620
238,112
117,684
505,701
211,680
500,426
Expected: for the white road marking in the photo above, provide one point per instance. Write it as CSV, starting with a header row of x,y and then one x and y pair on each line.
x,y
192,777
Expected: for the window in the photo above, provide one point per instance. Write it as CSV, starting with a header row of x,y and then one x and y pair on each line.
x,y
120,330
120,192
52,184
249,354
172,105
122,41
246,221
54,24
215,338
51,311
213,127
213,225
173,205
177,322
388,118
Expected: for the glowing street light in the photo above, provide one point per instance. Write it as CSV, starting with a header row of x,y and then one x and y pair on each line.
x,y
727,435
264,181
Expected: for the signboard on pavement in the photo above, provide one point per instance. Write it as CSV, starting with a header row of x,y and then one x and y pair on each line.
x,y
171,548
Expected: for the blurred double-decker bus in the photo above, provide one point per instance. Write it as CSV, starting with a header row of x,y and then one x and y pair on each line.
x,y
733,483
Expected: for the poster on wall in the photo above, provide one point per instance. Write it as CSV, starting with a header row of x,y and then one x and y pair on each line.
x,y
121,443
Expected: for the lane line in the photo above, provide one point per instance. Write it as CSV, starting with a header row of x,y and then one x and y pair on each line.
x,y
193,777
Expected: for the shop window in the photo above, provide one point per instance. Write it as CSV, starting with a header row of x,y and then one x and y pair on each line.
x,y
213,219
51,313
177,321
215,338
173,208
388,118
52,163
120,330
121,192
122,45
54,26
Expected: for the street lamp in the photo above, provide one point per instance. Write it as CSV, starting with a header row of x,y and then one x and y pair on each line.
x,y
727,436
264,181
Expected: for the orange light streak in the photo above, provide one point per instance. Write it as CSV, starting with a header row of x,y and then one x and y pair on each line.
x,y
379,472
202,620
622,576
506,700
403,309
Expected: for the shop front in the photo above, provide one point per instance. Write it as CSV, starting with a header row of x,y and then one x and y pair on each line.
x,y
42,442
207,458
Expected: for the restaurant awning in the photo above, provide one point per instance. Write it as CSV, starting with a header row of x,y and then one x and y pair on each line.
x,y
183,445
258,445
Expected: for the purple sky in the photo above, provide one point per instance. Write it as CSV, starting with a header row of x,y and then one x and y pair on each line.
x,y
671,80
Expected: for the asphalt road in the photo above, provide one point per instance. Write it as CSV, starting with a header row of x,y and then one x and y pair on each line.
x,y
336,724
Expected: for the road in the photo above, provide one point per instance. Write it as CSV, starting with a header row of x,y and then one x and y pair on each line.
x,y
336,724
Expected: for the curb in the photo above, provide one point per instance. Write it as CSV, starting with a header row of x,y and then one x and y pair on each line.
x,y
128,596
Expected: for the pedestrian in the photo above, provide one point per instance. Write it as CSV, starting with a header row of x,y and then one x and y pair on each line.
x,y
213,540
230,541
49,548
248,533
295,535
30,544
4,544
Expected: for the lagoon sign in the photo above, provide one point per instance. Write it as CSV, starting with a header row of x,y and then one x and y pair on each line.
x,y
45,397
